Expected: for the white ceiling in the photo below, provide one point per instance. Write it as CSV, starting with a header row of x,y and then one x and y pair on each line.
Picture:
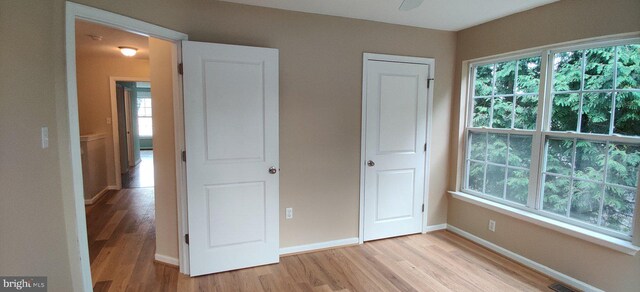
x,y
452,15
111,39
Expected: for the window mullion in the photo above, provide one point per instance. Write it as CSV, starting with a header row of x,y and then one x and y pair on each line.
x,y
538,139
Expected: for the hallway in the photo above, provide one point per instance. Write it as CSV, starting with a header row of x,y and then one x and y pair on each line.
x,y
141,175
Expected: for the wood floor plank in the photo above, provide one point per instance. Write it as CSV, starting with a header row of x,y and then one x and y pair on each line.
x,y
122,247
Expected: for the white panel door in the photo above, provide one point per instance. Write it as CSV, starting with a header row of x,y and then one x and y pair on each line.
x,y
395,131
231,133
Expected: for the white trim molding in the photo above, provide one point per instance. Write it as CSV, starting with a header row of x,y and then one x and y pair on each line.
x,y
97,196
432,228
318,246
610,242
166,259
525,261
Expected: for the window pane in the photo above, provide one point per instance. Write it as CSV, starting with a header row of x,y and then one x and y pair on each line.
x,y
145,127
505,77
526,112
567,71
596,113
478,146
502,109
559,156
590,158
598,70
481,108
517,185
627,116
564,116
484,80
476,176
497,151
528,75
585,201
495,180
623,164
628,67
556,194
520,151
618,208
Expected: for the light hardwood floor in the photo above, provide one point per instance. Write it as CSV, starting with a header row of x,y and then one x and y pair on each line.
x,y
122,245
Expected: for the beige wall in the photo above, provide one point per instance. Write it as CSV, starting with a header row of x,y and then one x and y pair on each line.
x,y
162,59
559,22
94,96
32,217
320,99
320,86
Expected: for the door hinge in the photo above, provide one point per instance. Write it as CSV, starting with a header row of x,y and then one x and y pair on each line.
x,y
429,82
181,69
184,155
186,238
422,208
425,147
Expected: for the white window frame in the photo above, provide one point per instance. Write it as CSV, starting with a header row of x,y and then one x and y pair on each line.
x,y
542,132
150,116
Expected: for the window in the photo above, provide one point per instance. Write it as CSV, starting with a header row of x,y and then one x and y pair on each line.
x,y
145,124
557,132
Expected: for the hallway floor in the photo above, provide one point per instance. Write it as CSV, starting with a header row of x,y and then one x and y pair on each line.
x,y
141,175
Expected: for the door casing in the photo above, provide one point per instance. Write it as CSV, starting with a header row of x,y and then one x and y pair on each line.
x,y
397,59
69,131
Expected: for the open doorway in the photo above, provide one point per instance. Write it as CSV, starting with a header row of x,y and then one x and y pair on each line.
x,y
135,133
116,129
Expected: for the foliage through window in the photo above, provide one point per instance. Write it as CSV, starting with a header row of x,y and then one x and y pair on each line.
x,y
574,154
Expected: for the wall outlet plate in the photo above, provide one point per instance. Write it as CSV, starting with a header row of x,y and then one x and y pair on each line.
x,y
288,213
492,225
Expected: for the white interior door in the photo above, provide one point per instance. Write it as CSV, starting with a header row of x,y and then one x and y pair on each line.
x,y
231,136
395,136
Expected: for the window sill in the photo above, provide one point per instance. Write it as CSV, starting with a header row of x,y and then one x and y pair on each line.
x,y
565,228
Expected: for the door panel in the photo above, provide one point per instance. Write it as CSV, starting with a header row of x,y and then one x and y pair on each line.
x,y
395,131
231,136
234,87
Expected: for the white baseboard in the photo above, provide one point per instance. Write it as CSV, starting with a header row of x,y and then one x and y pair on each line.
x,y
318,246
167,260
524,261
432,228
97,196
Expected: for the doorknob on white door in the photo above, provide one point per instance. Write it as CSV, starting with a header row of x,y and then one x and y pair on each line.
x,y
273,170
370,163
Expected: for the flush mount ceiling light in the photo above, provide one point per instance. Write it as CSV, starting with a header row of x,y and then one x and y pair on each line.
x,y
128,51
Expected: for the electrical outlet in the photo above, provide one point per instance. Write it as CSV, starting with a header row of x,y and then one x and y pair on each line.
x,y
288,213
492,225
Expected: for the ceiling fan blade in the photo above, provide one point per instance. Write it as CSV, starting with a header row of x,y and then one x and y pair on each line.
x,y
409,4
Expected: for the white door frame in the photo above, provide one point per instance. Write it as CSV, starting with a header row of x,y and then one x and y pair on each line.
x,y
75,11
396,59
115,122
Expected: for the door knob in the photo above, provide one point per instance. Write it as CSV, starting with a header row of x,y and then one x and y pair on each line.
x,y
273,170
370,163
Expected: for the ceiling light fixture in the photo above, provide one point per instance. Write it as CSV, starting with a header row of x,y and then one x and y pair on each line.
x,y
128,51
